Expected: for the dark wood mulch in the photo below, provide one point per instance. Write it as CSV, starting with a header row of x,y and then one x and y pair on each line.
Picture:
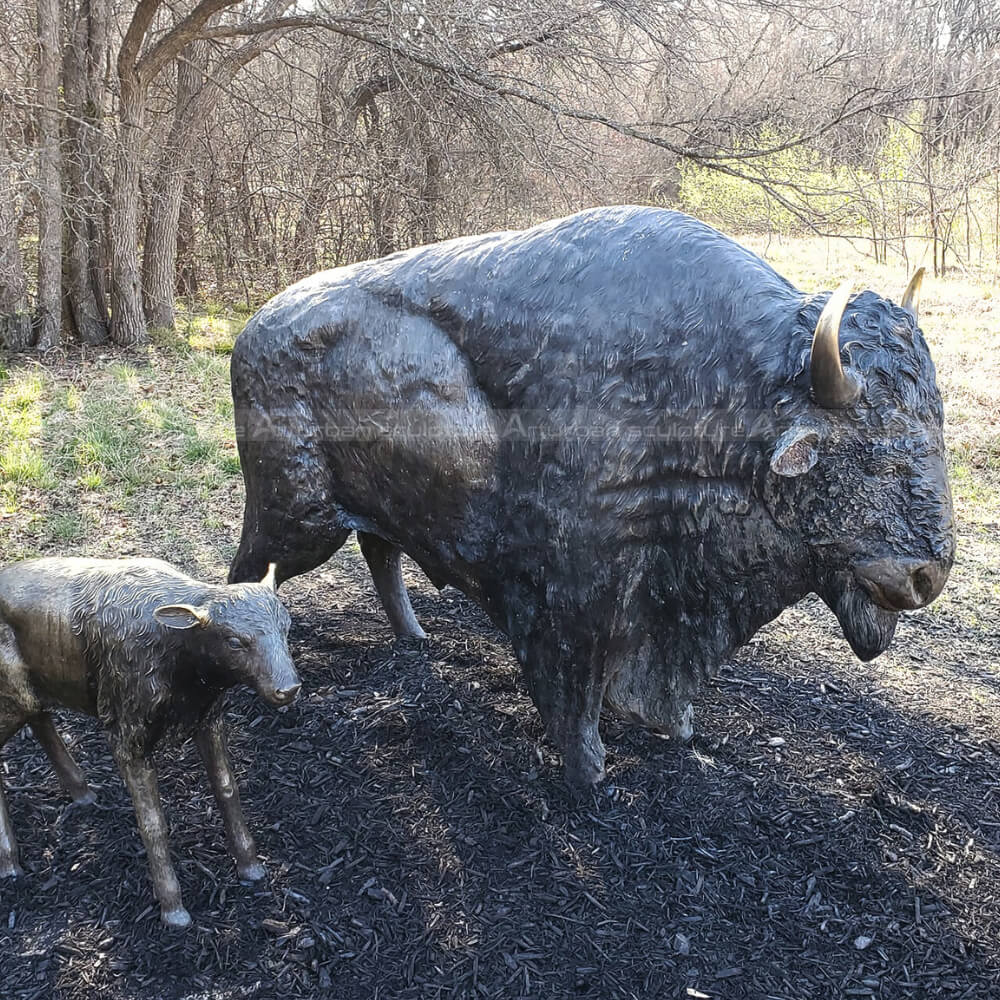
x,y
832,831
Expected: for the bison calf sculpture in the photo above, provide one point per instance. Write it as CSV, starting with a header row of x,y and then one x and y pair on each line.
x,y
149,651
622,433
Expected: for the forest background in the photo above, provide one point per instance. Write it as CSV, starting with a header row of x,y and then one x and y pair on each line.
x,y
158,153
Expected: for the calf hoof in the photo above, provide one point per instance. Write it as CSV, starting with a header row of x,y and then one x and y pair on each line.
x,y
177,918
10,869
85,798
251,873
683,728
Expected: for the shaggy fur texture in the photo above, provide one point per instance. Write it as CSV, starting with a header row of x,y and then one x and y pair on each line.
x,y
574,424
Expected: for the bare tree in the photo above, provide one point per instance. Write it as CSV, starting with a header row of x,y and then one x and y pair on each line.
x,y
85,184
15,320
242,143
140,59
50,217
200,87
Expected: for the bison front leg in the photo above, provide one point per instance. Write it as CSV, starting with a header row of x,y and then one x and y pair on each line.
x,y
568,691
383,560
211,739
140,777
67,770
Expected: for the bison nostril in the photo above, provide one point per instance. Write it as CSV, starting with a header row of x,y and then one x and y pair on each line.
x,y
923,584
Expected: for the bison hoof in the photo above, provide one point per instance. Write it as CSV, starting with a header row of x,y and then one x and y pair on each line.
x,y
251,873
584,770
177,918
583,779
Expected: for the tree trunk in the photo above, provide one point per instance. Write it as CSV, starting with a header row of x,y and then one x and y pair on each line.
x,y
159,262
83,271
430,197
304,258
197,97
187,265
16,331
49,177
128,323
317,195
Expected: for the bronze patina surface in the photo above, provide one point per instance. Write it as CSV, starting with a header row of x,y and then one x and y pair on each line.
x,y
149,651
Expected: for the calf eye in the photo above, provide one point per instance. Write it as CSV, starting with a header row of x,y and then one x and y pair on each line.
x,y
235,643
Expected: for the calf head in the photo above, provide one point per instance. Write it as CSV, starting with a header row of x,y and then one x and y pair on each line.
x,y
859,475
241,637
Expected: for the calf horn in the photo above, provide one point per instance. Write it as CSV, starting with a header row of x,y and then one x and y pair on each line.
x,y
832,387
911,297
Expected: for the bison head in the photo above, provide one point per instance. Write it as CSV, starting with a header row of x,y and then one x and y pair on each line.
x,y
242,638
860,472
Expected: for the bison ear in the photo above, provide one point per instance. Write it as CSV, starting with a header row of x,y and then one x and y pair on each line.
x,y
181,616
796,451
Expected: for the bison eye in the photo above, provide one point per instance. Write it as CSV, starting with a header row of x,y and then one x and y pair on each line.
x,y
235,643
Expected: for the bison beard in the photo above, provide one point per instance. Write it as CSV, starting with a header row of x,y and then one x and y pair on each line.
x,y
867,627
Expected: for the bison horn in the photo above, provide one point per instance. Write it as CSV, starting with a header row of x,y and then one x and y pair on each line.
x,y
911,297
832,387
269,578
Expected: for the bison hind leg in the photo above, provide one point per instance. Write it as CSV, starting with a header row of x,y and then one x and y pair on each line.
x,y
291,518
383,560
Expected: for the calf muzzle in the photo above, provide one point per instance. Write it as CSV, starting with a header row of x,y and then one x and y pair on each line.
x,y
285,695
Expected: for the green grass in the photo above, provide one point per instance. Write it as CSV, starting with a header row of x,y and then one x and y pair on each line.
x,y
212,328
112,456
22,461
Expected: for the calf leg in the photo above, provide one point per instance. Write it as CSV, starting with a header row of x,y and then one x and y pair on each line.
x,y
211,740
67,770
383,560
11,720
140,777
9,865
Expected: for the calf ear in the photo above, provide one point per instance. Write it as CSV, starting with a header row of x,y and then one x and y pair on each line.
x,y
796,451
181,616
